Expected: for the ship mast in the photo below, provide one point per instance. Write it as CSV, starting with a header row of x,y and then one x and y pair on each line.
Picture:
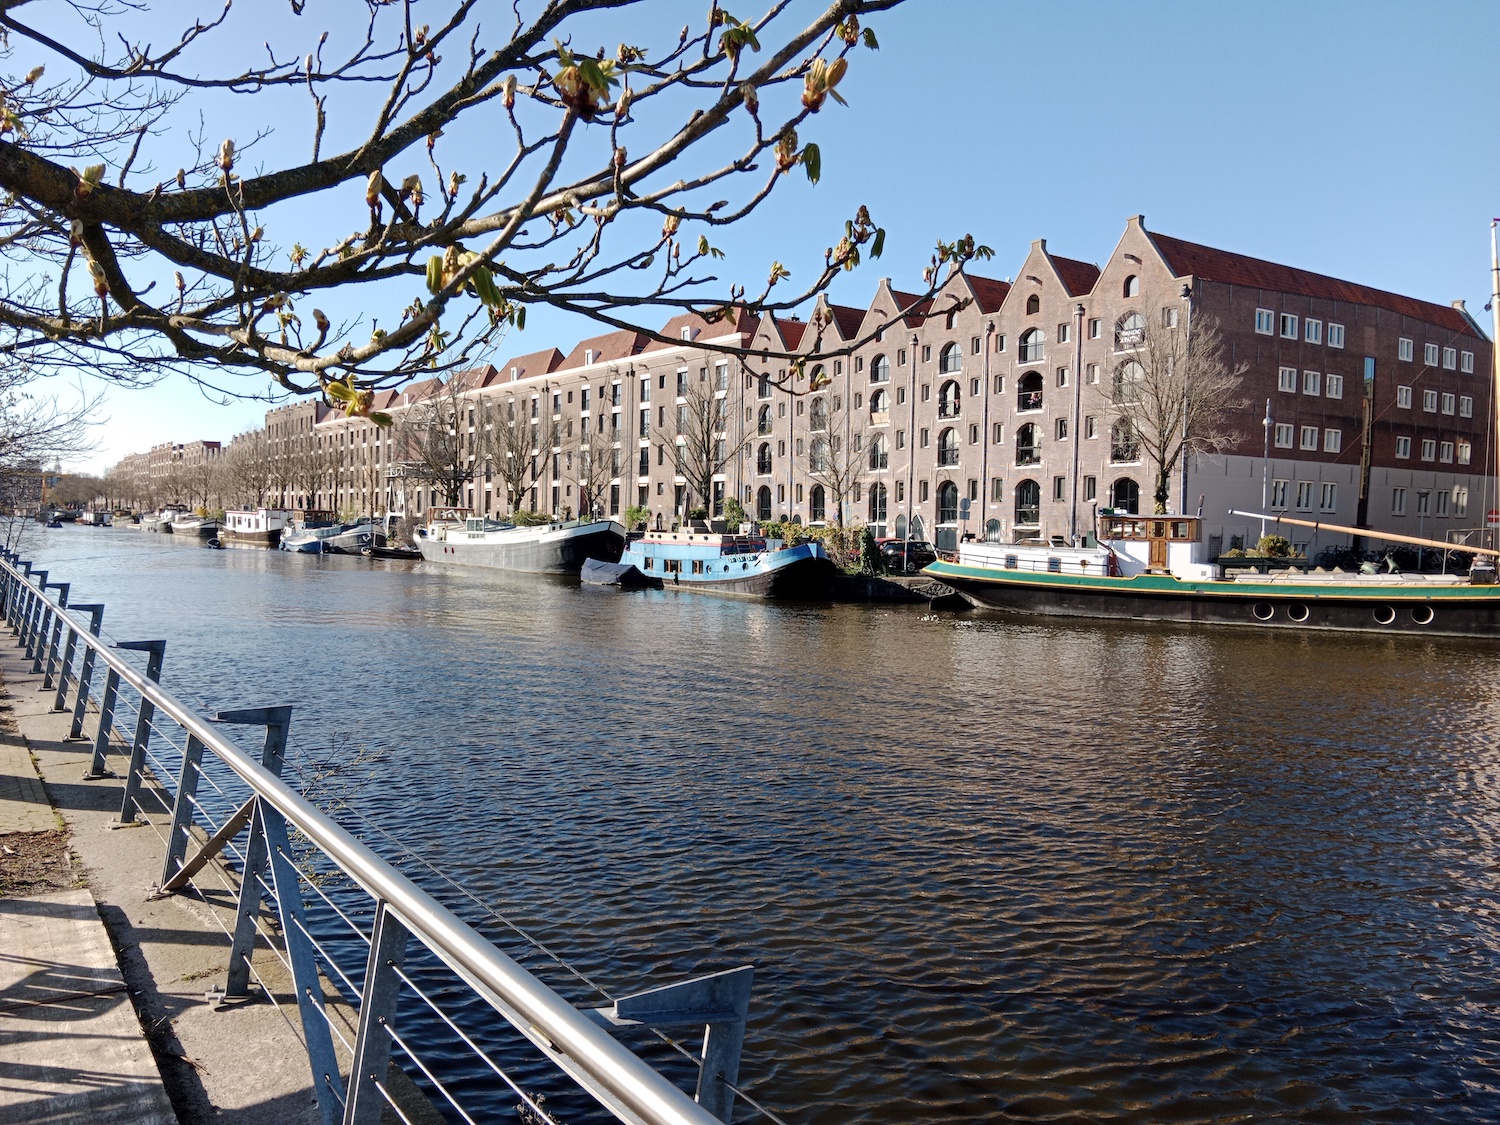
x,y
1493,499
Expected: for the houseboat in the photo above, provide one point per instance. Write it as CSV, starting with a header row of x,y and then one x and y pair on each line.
x,y
257,527
451,536
1155,568
712,560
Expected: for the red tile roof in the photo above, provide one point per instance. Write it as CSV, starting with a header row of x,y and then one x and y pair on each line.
x,y
792,332
989,292
610,346
847,320
740,322
907,300
1077,277
1208,264
474,378
532,363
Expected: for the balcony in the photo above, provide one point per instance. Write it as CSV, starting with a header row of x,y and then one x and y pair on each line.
x,y
948,457
1029,400
1029,516
1028,455
880,418
948,409
1030,353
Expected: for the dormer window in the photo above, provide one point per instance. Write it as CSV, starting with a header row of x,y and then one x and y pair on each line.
x,y
687,333
588,356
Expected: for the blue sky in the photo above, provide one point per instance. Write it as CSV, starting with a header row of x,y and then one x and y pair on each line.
x,y
1356,139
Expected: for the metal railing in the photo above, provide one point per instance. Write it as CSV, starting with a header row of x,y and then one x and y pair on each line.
x,y
230,816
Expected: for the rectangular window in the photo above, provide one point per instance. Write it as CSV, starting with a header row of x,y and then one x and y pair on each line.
x,y
1096,328
1460,501
1429,449
1442,503
1333,385
1278,494
1466,363
1265,323
1309,437
1059,488
1090,488
998,435
1284,435
1465,452
1403,447
1090,426
1445,453
900,439
1286,380
900,357
1312,331
1465,406
1000,342
1288,326
1311,383
1403,398
922,438
1430,401
1304,495
973,434
926,392
1430,354
1060,429
1423,501
976,346
1169,316
1405,350
1333,441
1448,402
997,489
1335,335
974,387
999,384
900,491
926,353
1450,359
922,491
1062,376
1329,500
1398,501
1091,373
1062,333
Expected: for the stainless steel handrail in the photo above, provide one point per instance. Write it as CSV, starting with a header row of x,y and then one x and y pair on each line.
x,y
616,1076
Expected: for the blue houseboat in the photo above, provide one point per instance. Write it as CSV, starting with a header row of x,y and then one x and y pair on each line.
x,y
715,562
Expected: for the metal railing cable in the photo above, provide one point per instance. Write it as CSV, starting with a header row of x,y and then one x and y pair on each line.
x,y
623,1083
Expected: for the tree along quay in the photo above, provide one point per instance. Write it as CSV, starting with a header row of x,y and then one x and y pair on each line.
x,y
984,873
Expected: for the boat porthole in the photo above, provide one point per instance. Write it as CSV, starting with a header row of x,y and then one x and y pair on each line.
x,y
1263,611
1297,611
1422,614
1384,615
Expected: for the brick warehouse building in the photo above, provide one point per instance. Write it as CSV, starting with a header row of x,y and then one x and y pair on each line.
x,y
995,392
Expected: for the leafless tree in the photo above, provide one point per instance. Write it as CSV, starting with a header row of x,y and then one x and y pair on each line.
x,y
517,437
698,434
836,457
250,469
1173,391
437,448
139,243
594,467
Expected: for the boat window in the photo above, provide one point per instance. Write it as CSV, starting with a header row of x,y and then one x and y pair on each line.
x,y
1011,562
1054,565
650,563
697,566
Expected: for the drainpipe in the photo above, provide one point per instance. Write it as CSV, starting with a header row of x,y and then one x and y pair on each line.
x,y
1077,417
984,429
1187,297
911,455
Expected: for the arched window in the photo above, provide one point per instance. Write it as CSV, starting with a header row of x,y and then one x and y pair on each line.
x,y
1029,391
1124,446
948,399
763,421
1028,448
880,405
1132,286
947,502
818,455
1033,304
1130,331
763,503
1028,504
763,458
1127,384
877,503
818,379
816,504
948,447
1033,342
950,359
879,454
900,525
1125,496
817,415
992,531
880,369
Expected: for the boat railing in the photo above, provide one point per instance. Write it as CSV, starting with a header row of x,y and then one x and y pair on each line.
x,y
333,917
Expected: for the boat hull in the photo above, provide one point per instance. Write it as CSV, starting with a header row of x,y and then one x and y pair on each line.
x,y
262,539
800,573
550,551
1385,608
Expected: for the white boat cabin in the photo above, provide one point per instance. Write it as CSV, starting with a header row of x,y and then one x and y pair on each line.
x,y
1127,545
257,521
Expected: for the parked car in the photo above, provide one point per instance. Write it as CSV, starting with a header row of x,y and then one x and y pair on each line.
x,y
901,556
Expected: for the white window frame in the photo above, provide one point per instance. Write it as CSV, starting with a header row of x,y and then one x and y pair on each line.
x,y
1465,452
1304,495
1403,398
1335,335
1405,349
1312,383
1445,452
1328,501
1450,402
1460,501
1265,323
1333,440
1429,449
1278,494
1429,402
1450,359
1286,435
1403,447
1466,406
1430,354
1398,501
1312,331
1096,328
1466,363
1286,380
1309,438
1333,385
1288,326
1442,502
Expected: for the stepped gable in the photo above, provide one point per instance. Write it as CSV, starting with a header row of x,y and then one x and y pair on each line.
x,y
700,329
529,365
1079,278
989,292
1208,264
611,346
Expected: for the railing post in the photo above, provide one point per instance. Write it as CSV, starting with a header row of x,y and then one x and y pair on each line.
x,y
48,619
144,714
38,600
85,673
377,1007
54,635
65,669
182,808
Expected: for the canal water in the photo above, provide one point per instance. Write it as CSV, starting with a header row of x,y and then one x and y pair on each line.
x,y
987,869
